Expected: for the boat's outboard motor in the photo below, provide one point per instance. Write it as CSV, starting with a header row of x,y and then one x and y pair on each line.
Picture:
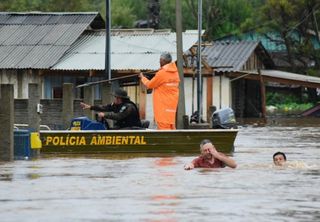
x,y
223,119
84,123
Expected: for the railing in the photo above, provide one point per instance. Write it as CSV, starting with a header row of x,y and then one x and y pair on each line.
x,y
22,125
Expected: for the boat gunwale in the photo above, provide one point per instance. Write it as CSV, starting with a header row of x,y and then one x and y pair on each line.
x,y
141,131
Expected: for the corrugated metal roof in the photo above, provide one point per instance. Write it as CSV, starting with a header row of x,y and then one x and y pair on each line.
x,y
53,55
290,75
15,56
19,35
130,50
6,31
38,33
233,54
38,40
5,51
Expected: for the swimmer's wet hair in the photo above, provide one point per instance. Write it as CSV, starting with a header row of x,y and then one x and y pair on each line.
x,y
280,153
204,142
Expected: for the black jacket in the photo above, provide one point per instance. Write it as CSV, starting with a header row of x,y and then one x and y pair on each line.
x,y
125,114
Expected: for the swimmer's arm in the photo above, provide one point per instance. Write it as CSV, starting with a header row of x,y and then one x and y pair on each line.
x,y
189,166
225,159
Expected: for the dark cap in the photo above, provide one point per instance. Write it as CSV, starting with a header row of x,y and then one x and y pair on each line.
x,y
120,93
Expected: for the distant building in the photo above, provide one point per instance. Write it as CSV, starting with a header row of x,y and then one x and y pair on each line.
x,y
31,43
241,71
56,48
275,46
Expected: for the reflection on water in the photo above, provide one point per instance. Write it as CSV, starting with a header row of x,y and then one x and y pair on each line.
x,y
158,189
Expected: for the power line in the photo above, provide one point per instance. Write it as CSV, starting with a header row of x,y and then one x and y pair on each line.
x,y
299,23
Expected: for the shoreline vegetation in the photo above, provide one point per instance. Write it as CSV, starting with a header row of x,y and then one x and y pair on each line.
x,y
287,109
279,104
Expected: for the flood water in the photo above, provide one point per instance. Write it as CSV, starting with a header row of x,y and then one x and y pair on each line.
x,y
158,189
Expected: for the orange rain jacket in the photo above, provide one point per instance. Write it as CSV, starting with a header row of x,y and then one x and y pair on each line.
x,y
165,85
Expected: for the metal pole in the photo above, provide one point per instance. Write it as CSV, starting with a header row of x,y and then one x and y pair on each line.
x,y
220,92
181,105
108,28
199,82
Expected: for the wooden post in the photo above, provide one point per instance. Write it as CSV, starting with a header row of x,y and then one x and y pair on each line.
x,y
33,101
209,97
263,96
67,104
142,101
6,122
106,93
185,122
211,110
89,99
106,97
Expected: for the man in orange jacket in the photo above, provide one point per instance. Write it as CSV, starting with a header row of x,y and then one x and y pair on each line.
x,y
165,85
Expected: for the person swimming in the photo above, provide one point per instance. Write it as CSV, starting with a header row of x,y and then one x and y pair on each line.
x,y
279,159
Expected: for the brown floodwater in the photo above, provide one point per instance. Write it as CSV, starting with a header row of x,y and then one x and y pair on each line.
x,y
158,189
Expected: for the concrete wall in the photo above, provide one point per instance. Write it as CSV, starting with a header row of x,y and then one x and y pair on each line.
x,y
52,112
20,80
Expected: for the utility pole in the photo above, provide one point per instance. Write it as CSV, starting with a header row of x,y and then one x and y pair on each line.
x,y
181,104
108,28
199,74
107,87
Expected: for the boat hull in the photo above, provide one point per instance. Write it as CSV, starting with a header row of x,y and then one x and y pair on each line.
x,y
135,141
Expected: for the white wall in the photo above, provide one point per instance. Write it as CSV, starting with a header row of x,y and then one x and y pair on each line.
x,y
149,111
191,95
222,93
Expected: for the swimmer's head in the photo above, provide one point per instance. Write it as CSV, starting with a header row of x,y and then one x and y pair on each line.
x,y
279,159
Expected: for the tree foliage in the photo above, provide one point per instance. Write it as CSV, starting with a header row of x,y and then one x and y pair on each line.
x,y
45,5
220,17
294,20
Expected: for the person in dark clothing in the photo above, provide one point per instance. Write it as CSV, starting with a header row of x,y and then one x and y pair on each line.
x,y
122,110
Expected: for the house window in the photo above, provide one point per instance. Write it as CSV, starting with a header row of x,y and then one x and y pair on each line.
x,y
57,92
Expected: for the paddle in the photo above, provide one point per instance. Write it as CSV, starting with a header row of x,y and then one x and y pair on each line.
x,y
113,79
105,80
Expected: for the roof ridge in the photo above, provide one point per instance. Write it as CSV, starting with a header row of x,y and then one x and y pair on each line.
x,y
48,13
236,41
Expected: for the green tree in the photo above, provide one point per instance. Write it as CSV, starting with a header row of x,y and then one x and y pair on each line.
x,y
220,17
295,21
46,5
